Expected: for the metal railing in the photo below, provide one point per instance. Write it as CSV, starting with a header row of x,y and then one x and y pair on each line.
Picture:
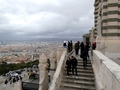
x,y
29,86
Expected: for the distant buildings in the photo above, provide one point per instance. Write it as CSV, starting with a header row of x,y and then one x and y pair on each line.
x,y
24,52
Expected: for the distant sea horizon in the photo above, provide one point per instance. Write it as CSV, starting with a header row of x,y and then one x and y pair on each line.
x,y
42,40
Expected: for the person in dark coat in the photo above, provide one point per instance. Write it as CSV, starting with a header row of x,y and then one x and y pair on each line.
x,y
87,48
20,78
69,47
82,46
6,81
68,65
14,80
85,55
65,44
77,47
94,46
74,65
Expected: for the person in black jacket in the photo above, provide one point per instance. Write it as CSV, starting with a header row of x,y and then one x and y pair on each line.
x,y
77,47
74,65
87,49
6,81
68,64
85,55
82,46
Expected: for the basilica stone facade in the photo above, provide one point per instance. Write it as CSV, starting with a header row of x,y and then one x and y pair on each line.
x,y
107,27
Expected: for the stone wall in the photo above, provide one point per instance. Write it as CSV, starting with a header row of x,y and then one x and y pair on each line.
x,y
109,46
58,73
107,72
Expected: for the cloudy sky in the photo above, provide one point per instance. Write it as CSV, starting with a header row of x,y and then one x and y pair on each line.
x,y
34,19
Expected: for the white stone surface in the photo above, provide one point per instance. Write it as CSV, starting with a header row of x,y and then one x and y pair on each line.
x,y
109,46
59,53
107,72
43,76
53,61
43,59
58,74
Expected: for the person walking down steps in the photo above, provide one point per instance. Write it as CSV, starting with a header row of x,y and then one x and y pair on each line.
x,y
77,47
68,66
74,65
84,56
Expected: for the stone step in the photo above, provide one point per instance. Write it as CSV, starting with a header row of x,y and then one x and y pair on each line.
x,y
79,78
77,82
81,67
82,70
81,74
72,86
68,88
80,61
83,81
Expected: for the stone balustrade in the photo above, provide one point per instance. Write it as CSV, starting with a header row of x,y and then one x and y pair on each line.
x,y
59,70
53,61
43,83
107,72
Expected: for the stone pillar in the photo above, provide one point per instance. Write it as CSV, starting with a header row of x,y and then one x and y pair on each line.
x,y
59,53
53,65
43,73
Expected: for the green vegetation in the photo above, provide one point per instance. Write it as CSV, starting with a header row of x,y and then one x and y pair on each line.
x,y
6,68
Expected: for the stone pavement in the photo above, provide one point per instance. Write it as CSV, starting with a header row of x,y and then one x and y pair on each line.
x,y
2,79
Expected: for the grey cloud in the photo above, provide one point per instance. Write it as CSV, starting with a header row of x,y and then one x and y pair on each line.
x,y
73,19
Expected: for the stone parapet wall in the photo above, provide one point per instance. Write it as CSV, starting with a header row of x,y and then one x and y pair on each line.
x,y
109,46
58,73
107,72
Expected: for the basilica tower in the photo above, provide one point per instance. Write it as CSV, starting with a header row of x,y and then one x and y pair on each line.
x,y
107,27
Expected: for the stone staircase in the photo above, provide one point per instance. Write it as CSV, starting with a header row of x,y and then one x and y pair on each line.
x,y
84,80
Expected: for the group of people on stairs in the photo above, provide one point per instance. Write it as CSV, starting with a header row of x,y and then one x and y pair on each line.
x,y
84,51
71,63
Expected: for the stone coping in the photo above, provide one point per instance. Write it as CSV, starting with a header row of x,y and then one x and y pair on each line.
x,y
113,67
